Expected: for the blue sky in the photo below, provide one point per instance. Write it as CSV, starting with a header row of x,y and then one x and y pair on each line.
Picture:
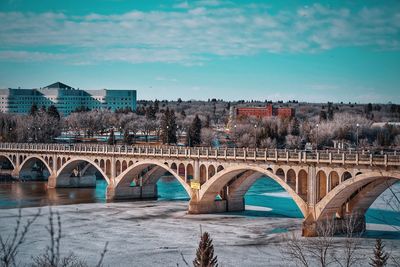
x,y
275,50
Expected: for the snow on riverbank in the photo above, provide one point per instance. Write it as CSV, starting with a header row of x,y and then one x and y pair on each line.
x,y
155,233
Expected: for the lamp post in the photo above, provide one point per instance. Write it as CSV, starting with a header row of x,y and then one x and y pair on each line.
x,y
167,135
255,134
234,134
316,141
358,125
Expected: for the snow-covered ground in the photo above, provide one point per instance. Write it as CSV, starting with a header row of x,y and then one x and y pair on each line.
x,y
156,233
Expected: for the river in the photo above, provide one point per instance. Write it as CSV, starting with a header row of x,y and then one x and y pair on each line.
x,y
265,198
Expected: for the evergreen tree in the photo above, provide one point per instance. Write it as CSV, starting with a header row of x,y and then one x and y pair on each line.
x,y
33,110
168,127
205,253
322,116
295,129
330,111
53,112
156,106
111,138
183,113
194,135
127,137
151,113
380,256
208,122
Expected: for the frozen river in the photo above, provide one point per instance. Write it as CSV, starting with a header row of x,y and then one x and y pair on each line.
x,y
158,233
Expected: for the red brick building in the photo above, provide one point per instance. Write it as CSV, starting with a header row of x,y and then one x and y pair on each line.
x,y
267,111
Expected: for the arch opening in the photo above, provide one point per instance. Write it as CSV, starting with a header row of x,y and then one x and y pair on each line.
x,y
291,179
303,187
355,195
81,172
34,168
203,174
150,179
322,184
334,180
238,181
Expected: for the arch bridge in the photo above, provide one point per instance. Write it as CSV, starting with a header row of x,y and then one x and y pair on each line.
x,y
323,184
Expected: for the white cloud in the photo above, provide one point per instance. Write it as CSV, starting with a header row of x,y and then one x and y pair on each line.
x,y
195,34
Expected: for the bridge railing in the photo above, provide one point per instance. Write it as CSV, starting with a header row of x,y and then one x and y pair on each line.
x,y
320,156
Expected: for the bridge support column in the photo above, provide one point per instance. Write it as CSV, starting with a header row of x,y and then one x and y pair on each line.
x,y
15,173
236,204
349,224
132,192
52,181
67,181
196,207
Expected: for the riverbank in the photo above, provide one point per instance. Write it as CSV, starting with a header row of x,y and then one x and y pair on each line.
x,y
156,233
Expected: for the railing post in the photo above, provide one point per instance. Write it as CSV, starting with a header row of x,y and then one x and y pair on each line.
x,y
317,157
343,158
276,155
357,158
385,157
330,157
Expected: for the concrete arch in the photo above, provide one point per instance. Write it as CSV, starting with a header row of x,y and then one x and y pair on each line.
x,y
291,178
124,166
174,167
30,159
345,176
211,171
118,167
58,163
124,178
322,185
341,194
302,188
73,162
203,174
189,172
280,173
213,186
8,159
108,167
182,170
334,180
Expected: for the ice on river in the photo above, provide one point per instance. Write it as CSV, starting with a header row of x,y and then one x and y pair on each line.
x,y
156,233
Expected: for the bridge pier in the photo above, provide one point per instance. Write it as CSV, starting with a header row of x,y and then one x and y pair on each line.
x,y
217,206
78,181
132,192
350,224
236,204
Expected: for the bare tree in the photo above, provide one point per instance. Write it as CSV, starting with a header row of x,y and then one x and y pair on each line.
x,y
9,245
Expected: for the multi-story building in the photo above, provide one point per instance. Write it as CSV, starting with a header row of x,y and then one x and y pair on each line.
x,y
65,98
267,111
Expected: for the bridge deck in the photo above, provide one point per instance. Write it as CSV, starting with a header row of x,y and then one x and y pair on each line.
x,y
224,154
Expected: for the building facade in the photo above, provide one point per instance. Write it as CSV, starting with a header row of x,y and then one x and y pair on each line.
x,y
65,98
267,111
